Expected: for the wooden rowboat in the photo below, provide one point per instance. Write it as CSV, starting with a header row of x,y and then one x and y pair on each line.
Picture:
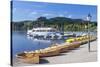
x,y
32,58
49,52
74,45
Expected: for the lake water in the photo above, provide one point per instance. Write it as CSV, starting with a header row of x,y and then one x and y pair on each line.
x,y
20,43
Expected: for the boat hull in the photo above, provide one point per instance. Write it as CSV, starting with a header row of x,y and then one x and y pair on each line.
x,y
50,53
29,58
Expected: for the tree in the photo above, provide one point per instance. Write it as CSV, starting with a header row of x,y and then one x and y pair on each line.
x,y
41,21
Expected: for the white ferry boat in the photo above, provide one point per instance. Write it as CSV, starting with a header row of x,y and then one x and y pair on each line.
x,y
44,32
47,33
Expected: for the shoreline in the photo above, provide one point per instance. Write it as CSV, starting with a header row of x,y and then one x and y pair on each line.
x,y
78,55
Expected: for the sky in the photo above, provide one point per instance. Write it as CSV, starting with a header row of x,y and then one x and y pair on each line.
x,y
26,10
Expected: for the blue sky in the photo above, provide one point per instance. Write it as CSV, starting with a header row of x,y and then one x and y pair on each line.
x,y
26,10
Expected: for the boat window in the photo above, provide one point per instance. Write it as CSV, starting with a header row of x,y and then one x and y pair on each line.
x,y
53,30
41,30
48,30
36,30
33,30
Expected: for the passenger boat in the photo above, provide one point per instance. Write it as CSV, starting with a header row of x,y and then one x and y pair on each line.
x,y
47,33
44,32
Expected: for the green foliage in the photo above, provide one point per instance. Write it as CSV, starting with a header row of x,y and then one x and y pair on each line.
x,y
60,23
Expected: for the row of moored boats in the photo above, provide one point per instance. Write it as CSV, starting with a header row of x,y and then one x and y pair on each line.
x,y
56,49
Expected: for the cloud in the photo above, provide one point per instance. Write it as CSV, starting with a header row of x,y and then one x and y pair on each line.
x,y
47,14
34,13
69,16
61,15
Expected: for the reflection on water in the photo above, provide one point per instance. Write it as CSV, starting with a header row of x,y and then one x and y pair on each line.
x,y
20,42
